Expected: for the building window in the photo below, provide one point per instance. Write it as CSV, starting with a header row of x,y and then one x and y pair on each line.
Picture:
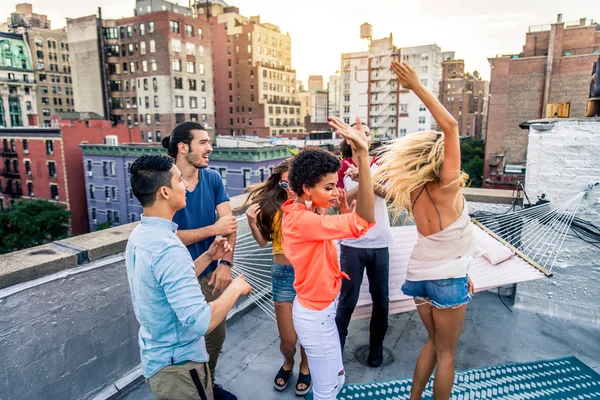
x,y
158,136
92,189
200,33
153,64
142,29
152,46
179,118
28,167
201,68
104,168
174,26
25,146
422,107
200,51
176,65
193,102
54,191
189,30
246,173
2,119
178,83
192,84
191,67
190,49
14,108
93,215
421,120
157,119
156,101
49,147
204,102
151,27
143,47
203,86
223,173
179,101
52,169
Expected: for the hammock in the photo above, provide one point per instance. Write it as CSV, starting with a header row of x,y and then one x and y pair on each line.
x,y
519,246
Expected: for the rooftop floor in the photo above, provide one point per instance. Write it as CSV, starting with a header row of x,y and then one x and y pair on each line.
x,y
491,336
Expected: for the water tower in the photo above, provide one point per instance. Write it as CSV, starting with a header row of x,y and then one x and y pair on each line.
x,y
366,32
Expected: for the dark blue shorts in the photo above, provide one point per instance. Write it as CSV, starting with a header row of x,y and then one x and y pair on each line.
x,y
282,277
442,293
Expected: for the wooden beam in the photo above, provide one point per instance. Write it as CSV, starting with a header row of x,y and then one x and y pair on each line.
x,y
513,248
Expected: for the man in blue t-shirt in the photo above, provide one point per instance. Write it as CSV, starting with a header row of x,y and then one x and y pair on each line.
x,y
207,214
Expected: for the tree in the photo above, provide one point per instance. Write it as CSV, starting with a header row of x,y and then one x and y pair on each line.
x,y
29,223
472,154
103,225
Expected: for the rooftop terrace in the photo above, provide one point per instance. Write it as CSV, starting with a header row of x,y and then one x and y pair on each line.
x,y
67,314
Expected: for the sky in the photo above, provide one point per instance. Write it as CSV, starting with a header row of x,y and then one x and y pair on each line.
x,y
321,30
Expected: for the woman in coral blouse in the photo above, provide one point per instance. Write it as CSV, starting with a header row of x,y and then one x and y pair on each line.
x,y
308,242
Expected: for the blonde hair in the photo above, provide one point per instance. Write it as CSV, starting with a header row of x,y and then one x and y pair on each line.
x,y
410,162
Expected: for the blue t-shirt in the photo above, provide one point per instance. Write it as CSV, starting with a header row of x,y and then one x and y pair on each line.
x,y
201,211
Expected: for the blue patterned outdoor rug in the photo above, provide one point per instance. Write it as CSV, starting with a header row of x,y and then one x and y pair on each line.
x,y
563,378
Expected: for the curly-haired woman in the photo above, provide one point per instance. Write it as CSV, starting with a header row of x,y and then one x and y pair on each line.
x,y
264,218
308,241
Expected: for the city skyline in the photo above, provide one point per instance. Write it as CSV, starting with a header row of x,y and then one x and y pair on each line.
x,y
473,30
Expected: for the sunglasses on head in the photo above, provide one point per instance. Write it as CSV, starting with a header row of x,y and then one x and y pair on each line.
x,y
284,185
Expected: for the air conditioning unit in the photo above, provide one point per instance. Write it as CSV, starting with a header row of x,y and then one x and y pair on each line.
x,y
31,194
108,199
55,197
28,173
112,140
94,221
89,173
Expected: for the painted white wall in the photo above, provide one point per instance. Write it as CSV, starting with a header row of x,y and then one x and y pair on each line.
x,y
561,162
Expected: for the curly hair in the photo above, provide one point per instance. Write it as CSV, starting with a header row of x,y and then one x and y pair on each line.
x,y
309,166
270,196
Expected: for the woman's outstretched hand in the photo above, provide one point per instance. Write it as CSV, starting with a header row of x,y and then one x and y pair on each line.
x,y
407,77
356,135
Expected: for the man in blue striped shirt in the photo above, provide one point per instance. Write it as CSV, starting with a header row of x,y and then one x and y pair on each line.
x,y
173,314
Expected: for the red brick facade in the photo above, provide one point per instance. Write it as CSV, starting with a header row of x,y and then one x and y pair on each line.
x,y
39,147
554,67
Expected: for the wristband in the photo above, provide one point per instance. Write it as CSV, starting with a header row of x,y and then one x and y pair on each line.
x,y
230,265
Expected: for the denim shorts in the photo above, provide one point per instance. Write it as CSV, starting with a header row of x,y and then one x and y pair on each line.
x,y
442,293
283,283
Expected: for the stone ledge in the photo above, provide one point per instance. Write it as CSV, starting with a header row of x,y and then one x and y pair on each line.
x,y
497,196
103,243
33,263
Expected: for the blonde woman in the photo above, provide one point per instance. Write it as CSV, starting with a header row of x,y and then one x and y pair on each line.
x,y
422,176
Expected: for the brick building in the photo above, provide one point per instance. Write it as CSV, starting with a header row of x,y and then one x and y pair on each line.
x,y
554,67
109,195
46,162
465,96
33,165
50,61
255,85
158,68
315,82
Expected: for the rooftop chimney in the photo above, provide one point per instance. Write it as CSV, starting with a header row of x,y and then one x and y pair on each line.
x,y
559,19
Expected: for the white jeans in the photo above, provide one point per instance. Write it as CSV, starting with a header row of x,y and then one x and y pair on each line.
x,y
318,333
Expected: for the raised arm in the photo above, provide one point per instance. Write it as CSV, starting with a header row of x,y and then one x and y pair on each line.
x,y
409,79
365,198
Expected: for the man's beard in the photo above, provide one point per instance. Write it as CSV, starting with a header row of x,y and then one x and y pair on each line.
x,y
191,159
